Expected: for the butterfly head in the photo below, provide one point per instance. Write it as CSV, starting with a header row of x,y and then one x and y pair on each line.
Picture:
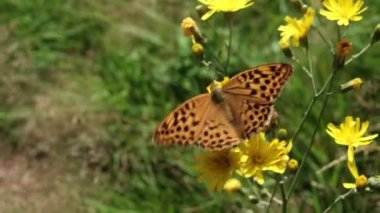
x,y
217,85
215,89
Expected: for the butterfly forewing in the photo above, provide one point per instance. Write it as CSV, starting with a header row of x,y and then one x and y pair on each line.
x,y
261,84
253,117
182,125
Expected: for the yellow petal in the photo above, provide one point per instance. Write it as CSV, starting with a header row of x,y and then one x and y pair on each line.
x,y
208,14
349,185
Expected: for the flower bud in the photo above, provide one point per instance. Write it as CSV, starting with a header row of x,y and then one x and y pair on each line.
x,y
293,164
282,134
376,35
197,49
351,85
361,181
188,26
232,185
284,45
342,50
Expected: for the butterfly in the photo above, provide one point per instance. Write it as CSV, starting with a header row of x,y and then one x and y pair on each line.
x,y
228,113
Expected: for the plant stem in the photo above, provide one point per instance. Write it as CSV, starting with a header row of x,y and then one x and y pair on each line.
x,y
228,19
284,198
273,193
302,66
311,67
353,57
304,117
329,88
341,197
328,43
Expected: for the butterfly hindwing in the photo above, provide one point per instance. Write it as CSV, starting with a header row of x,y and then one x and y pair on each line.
x,y
253,117
261,84
218,131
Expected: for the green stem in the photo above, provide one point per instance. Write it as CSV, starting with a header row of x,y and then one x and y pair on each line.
x,y
228,18
310,107
284,198
327,42
273,193
338,32
304,117
302,66
353,57
311,67
341,197
329,88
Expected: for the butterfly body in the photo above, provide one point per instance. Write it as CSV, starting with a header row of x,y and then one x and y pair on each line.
x,y
228,113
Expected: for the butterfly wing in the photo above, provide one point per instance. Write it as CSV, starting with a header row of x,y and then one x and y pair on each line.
x,y
198,121
183,124
219,130
251,116
261,85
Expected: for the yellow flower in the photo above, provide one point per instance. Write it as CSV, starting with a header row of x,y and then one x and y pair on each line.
x,y
259,155
343,11
360,181
218,84
217,167
350,133
224,6
295,29
232,185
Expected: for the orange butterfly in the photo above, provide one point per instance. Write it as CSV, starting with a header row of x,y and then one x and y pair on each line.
x,y
220,119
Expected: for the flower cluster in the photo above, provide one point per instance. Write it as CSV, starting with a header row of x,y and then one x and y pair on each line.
x,y
296,30
190,29
250,159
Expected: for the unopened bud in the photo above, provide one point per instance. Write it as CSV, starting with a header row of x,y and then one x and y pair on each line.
x,y
376,35
342,50
284,45
188,26
293,164
232,185
353,84
197,49
361,181
282,134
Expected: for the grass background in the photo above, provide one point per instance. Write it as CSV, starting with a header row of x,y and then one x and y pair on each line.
x,y
84,83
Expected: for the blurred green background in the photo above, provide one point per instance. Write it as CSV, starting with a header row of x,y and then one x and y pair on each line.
x,y
84,83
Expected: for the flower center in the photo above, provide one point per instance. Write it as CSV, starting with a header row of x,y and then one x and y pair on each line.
x,y
258,159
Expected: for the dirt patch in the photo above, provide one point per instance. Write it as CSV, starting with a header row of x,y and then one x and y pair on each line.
x,y
50,133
